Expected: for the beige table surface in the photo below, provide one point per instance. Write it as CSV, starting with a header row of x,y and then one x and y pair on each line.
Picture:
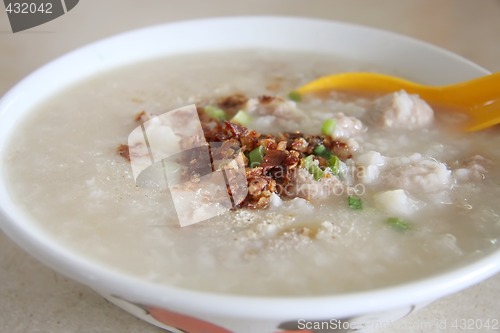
x,y
34,299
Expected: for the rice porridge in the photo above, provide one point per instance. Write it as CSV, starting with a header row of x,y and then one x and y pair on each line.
x,y
345,193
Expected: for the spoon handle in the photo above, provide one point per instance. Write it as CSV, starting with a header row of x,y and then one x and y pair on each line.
x,y
468,94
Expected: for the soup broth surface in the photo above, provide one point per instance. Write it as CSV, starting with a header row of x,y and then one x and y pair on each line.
x,y
63,169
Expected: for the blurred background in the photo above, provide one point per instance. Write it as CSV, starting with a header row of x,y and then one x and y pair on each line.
x,y
34,299
469,28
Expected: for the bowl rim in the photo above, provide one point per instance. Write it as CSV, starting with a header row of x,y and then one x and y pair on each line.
x,y
111,282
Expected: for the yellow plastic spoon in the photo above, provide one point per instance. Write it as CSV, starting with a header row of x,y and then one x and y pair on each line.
x,y
478,98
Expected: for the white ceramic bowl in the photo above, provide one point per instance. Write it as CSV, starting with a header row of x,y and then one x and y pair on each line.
x,y
197,312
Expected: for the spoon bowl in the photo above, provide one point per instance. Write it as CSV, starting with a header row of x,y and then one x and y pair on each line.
x,y
479,98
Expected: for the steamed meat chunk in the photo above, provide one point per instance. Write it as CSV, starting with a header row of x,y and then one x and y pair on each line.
x,y
402,111
274,106
274,114
472,169
347,126
415,173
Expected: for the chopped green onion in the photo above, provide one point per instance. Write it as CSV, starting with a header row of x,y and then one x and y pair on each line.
x,y
215,112
256,156
321,150
313,168
328,126
354,202
295,96
334,164
241,117
333,161
398,223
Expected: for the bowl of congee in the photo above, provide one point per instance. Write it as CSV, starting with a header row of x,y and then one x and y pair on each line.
x,y
175,171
